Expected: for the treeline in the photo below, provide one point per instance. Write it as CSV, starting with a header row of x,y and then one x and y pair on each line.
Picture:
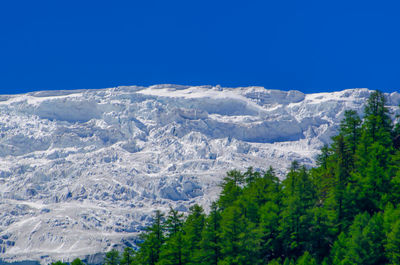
x,y
344,211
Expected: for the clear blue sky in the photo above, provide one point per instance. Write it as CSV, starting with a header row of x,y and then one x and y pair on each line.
x,y
306,45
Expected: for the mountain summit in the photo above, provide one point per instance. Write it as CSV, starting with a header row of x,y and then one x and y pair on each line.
x,y
82,171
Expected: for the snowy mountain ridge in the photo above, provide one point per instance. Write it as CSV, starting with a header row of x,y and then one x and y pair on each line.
x,y
82,171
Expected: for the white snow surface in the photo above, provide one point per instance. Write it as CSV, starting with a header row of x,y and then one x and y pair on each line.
x,y
82,171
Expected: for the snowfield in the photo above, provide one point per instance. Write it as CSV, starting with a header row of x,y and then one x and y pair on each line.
x,y
82,171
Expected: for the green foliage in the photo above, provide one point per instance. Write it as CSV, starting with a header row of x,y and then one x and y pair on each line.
x,y
350,129
344,211
239,239
393,244
288,262
364,244
231,188
377,119
192,233
269,229
127,256
77,261
295,219
172,252
209,251
306,259
152,241
112,258
274,262
58,263
322,159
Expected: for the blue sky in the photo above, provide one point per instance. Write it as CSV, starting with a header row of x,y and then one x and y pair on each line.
x,y
310,46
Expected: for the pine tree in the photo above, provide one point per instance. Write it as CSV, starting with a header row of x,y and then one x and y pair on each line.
x,y
376,128
267,194
231,228
152,241
341,209
258,192
172,252
288,262
392,246
364,243
350,129
58,263
374,166
127,256
374,179
295,220
239,239
112,258
394,194
322,159
209,252
231,188
306,259
77,261
269,229
339,250
377,115
321,234
274,262
250,176
323,176
174,222
192,230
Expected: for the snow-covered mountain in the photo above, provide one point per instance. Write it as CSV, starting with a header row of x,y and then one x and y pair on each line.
x,y
82,171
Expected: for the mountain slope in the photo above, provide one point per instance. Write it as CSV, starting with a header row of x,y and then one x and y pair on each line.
x,y
82,171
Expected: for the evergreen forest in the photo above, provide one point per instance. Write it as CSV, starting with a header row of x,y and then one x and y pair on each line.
x,y
344,211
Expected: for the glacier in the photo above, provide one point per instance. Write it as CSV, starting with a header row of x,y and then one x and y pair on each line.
x,y
82,171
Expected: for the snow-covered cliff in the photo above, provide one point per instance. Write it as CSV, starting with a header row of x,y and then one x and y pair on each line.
x,y
82,171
